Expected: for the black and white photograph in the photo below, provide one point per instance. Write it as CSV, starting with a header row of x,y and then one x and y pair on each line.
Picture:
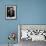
x,y
10,11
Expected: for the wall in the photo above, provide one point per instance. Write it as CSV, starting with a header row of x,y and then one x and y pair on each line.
x,y
28,12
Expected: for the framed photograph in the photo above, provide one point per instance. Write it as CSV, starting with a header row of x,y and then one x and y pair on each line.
x,y
10,11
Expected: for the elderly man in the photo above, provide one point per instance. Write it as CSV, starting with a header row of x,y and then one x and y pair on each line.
x,y
10,12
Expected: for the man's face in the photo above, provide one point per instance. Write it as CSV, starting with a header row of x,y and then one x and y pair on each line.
x,y
11,9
